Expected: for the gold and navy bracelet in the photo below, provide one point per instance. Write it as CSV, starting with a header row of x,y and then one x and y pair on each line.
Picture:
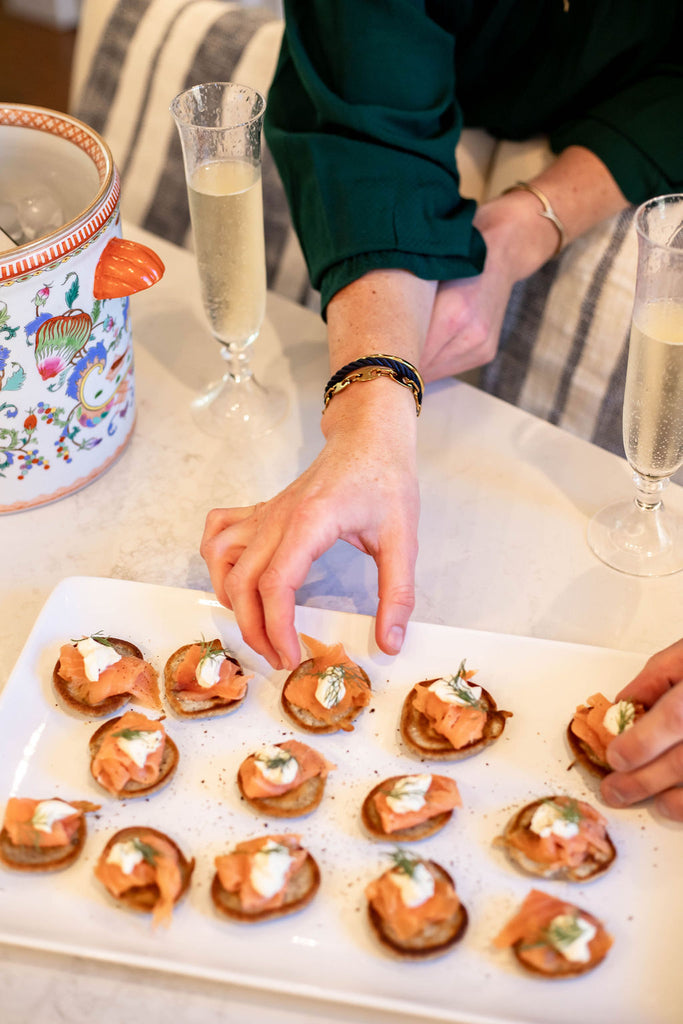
x,y
372,368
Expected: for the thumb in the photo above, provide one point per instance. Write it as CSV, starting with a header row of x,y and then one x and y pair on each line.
x,y
396,583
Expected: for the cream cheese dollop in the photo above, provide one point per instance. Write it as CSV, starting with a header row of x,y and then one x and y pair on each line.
x,y
409,793
581,931
277,765
141,745
416,887
209,669
619,717
47,812
456,690
548,820
269,867
96,657
330,689
126,855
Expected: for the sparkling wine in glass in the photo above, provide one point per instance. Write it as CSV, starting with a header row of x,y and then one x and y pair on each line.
x,y
220,126
642,537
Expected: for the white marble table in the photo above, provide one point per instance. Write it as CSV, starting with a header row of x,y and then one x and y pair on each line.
x,y
505,502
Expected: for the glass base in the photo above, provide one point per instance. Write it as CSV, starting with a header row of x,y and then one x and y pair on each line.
x,y
238,408
641,541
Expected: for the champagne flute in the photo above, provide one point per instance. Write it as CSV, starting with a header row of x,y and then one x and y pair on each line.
x,y
220,126
642,537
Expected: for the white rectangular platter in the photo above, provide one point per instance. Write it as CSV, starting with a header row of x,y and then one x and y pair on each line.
x,y
327,950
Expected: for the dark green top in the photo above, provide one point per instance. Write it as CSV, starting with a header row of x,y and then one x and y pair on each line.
x,y
370,97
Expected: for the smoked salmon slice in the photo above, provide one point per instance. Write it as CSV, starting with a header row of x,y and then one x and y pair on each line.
x,y
19,822
235,870
113,767
460,724
442,795
129,675
158,865
407,922
529,931
588,723
329,665
309,762
231,684
557,851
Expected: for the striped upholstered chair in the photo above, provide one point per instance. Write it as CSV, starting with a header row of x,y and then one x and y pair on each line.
x,y
564,341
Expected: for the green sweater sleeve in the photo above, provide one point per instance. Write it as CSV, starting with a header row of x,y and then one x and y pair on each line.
x,y
637,133
363,123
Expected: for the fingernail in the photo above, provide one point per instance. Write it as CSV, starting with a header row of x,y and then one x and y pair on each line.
x,y
395,638
285,663
619,763
613,797
612,794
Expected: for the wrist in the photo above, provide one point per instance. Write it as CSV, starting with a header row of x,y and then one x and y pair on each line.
x,y
378,411
517,236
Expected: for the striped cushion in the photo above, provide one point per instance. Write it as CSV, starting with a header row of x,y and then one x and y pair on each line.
x,y
149,51
564,342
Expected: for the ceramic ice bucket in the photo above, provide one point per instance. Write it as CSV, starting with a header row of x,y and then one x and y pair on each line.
x,y
67,394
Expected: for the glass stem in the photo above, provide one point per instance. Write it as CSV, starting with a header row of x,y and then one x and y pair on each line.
x,y
649,490
237,360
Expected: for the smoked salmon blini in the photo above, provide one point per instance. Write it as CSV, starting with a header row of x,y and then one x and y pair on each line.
x,y
146,871
414,909
449,719
554,938
594,726
285,780
98,675
43,835
203,680
132,756
264,878
327,692
410,807
559,837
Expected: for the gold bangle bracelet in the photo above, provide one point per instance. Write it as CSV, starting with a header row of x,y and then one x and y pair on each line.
x,y
373,370
546,212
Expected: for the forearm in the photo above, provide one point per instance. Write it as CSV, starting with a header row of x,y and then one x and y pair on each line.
x,y
385,311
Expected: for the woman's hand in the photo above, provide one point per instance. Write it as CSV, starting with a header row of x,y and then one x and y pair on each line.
x,y
468,313
362,488
648,758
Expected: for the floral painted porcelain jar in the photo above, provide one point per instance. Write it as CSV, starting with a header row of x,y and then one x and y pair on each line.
x,y
67,392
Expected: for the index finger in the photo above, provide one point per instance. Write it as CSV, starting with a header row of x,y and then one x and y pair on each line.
x,y
662,671
279,581
652,734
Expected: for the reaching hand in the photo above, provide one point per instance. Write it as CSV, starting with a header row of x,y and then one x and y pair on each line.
x,y
362,488
648,758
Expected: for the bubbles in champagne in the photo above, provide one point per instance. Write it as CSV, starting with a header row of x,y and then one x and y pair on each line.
x,y
653,401
227,224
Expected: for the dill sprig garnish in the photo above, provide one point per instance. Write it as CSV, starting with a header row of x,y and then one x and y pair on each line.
x,y
275,761
625,715
131,734
404,862
407,785
555,935
149,854
348,672
565,932
459,684
98,636
570,812
210,649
